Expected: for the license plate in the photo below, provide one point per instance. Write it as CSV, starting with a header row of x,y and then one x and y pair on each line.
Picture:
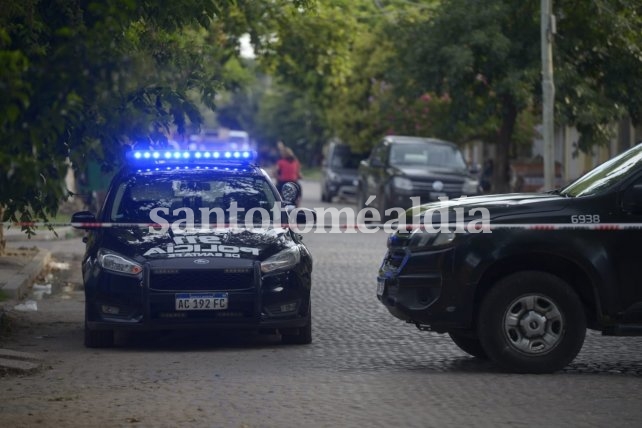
x,y
201,301
381,285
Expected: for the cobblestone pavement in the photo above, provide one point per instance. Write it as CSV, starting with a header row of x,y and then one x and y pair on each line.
x,y
364,368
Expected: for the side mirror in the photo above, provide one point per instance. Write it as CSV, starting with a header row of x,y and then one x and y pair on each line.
x,y
80,219
632,199
290,192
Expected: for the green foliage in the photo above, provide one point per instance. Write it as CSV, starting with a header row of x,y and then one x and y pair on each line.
x,y
83,79
483,55
598,66
289,116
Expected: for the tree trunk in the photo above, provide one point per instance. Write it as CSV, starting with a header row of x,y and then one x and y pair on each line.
x,y
501,171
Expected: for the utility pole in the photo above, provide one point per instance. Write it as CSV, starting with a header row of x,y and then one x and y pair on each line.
x,y
548,93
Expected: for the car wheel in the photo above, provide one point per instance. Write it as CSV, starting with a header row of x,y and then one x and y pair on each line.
x,y
300,336
468,342
532,322
98,338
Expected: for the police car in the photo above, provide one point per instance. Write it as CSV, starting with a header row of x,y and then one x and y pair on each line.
x,y
195,240
518,278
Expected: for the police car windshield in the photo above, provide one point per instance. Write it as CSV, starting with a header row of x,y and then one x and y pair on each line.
x,y
607,174
136,197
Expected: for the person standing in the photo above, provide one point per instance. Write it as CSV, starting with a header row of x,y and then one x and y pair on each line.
x,y
288,168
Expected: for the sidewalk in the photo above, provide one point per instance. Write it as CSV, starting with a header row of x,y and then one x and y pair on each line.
x,y
21,264
14,234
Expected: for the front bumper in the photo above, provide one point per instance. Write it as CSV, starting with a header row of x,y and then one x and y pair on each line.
x,y
421,288
148,302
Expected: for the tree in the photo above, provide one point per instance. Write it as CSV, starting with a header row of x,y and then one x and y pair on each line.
x,y
598,59
84,79
290,116
309,59
485,57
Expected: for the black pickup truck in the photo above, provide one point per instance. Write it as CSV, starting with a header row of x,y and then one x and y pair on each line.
x,y
518,278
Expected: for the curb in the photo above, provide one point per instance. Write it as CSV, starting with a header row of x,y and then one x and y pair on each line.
x,y
18,362
18,284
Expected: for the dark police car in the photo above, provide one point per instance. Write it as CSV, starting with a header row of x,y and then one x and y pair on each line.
x,y
195,240
519,277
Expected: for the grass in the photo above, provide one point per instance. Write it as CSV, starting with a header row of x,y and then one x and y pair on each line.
x,y
311,173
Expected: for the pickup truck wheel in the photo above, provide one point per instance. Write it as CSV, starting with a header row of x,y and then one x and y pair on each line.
x,y
469,343
532,322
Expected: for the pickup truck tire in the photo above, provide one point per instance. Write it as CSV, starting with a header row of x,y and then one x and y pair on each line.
x,y
532,322
468,342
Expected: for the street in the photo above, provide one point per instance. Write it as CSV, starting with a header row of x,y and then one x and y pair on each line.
x,y
364,367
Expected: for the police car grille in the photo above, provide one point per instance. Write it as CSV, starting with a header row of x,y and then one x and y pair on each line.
x,y
201,280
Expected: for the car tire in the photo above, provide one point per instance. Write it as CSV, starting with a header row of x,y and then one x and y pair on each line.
x,y
300,336
532,322
468,342
98,338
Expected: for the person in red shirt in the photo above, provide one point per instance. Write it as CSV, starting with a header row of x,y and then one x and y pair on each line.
x,y
288,168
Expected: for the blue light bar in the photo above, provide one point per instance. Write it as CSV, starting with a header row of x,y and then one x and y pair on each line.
x,y
187,157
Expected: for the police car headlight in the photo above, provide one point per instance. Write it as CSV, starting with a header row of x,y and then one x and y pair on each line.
x,y
117,263
283,260
470,187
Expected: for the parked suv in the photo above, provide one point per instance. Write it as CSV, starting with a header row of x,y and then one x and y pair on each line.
x,y
519,277
400,168
339,172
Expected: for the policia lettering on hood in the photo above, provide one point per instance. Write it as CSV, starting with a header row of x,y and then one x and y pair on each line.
x,y
199,246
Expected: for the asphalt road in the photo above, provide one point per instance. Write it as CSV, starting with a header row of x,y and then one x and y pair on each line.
x,y
364,368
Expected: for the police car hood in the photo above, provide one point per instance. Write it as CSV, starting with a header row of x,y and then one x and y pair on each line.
x,y
500,206
241,243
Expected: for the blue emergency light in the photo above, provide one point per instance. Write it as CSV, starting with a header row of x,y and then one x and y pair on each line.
x,y
186,157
